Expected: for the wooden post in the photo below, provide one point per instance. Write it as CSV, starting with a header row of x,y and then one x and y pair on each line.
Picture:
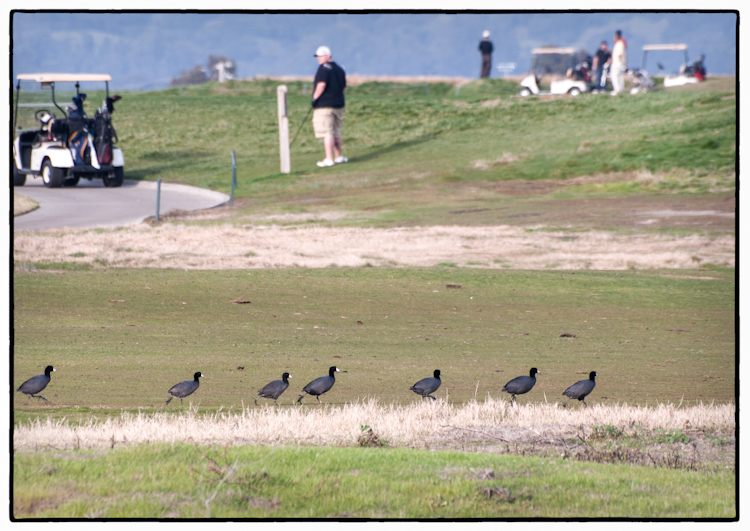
x,y
286,165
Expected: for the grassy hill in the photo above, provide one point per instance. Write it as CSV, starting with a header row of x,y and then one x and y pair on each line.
x,y
418,151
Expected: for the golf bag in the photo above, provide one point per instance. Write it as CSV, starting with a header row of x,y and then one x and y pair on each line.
x,y
79,139
699,70
104,136
104,133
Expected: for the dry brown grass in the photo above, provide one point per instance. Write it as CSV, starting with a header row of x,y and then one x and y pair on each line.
x,y
415,425
225,246
23,205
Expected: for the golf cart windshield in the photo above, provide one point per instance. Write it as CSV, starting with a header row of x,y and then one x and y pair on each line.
x,y
552,60
664,47
48,82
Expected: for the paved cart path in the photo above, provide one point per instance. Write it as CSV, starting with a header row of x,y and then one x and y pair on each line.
x,y
91,205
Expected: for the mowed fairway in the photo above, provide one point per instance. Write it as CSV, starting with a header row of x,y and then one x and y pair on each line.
x,y
122,338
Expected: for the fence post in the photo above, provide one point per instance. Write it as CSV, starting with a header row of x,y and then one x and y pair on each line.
x,y
286,166
158,196
234,179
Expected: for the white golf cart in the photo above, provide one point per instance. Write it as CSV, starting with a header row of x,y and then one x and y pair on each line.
x,y
556,60
66,145
688,73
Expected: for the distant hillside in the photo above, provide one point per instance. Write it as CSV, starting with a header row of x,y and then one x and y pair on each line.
x,y
146,50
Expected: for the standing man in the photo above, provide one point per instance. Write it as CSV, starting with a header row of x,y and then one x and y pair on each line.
x,y
619,63
328,102
600,59
485,46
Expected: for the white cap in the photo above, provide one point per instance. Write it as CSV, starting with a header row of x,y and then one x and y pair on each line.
x,y
486,33
322,50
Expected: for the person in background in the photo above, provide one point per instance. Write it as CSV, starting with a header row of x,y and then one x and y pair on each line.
x,y
601,58
619,63
328,104
485,46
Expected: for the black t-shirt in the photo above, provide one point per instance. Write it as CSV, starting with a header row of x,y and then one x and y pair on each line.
x,y
603,57
335,79
485,47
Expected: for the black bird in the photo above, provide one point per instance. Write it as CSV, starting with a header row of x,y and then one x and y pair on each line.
x,y
521,385
581,390
320,385
427,386
274,389
36,384
183,389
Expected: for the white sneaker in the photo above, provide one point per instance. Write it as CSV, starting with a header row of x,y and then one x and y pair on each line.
x,y
339,160
325,162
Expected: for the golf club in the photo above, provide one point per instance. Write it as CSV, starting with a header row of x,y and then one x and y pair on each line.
x,y
300,127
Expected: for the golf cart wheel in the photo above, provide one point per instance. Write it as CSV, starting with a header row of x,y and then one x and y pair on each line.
x,y
19,179
52,177
575,91
524,93
72,181
114,178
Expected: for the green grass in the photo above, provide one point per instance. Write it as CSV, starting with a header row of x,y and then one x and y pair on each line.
x,y
120,338
182,481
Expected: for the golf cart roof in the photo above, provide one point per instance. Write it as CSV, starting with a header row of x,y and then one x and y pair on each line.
x,y
650,47
48,77
542,51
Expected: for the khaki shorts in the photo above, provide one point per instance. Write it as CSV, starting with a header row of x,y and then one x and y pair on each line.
x,y
327,121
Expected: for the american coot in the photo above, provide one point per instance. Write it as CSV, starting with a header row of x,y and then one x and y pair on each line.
x,y
320,385
427,386
274,389
580,390
521,385
36,384
183,389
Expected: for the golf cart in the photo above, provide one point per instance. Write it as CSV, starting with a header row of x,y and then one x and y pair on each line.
x,y
560,61
67,145
688,73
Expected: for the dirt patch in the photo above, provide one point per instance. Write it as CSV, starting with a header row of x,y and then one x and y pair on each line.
x,y
694,449
248,246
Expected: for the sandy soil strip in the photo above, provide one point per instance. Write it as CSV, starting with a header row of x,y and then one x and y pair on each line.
x,y
249,246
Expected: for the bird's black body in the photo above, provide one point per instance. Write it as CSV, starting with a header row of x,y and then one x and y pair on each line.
x,y
183,389
320,385
581,390
36,384
427,386
521,384
274,389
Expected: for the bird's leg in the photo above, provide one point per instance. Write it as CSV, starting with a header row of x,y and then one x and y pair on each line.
x,y
566,402
432,397
40,396
256,401
275,402
318,397
299,400
584,402
169,399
